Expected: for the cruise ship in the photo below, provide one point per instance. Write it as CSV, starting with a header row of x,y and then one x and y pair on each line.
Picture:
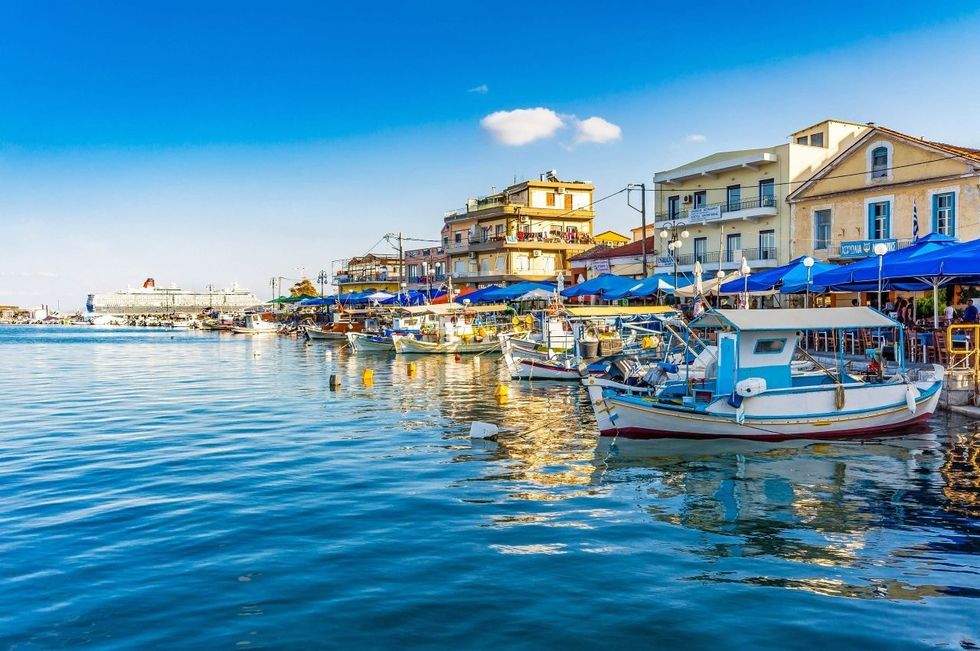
x,y
152,299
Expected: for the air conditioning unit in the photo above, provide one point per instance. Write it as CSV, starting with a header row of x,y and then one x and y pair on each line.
x,y
687,198
559,190
472,255
536,253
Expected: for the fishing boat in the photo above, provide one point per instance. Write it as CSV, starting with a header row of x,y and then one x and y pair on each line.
x,y
457,329
752,392
362,342
594,336
256,325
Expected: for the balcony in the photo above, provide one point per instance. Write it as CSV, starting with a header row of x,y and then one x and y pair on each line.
x,y
757,258
729,211
556,240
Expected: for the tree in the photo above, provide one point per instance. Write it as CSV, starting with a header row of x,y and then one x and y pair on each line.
x,y
304,287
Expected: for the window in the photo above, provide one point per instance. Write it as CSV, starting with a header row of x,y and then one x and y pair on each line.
x,y
458,238
733,196
549,199
521,263
498,230
700,249
568,202
486,234
733,247
673,206
770,346
816,139
802,140
767,245
879,227
944,213
767,193
700,199
879,163
821,229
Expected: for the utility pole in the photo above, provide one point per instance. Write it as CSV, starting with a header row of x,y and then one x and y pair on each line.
x,y
402,281
643,218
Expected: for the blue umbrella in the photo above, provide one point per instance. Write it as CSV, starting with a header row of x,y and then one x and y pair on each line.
x,y
788,279
859,275
599,286
480,294
511,292
647,287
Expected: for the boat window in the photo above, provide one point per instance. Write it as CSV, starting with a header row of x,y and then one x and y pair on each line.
x,y
770,346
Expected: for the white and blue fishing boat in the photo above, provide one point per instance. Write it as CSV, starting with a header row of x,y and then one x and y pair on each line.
x,y
752,391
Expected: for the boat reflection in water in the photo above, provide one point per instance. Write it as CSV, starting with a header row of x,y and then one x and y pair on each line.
x,y
850,507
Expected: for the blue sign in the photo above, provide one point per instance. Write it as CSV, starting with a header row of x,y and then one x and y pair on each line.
x,y
863,248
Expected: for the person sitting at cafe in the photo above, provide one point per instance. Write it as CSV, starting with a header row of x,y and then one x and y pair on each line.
x,y
971,313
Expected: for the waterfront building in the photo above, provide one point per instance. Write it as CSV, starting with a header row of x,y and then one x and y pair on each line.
x,y
623,260
376,271
611,238
166,300
732,204
529,231
425,267
866,195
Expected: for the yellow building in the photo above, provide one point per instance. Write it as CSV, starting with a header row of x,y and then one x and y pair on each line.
x,y
611,238
379,272
527,232
731,205
866,194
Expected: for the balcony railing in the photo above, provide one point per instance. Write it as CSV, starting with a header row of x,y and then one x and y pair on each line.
x,y
712,257
726,207
431,278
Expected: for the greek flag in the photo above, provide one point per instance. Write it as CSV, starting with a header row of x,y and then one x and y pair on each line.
x,y
915,222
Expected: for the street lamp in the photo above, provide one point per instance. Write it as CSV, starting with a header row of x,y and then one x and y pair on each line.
x,y
880,250
674,236
745,270
719,275
808,263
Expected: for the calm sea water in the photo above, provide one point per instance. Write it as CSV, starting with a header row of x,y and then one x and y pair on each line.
x,y
203,490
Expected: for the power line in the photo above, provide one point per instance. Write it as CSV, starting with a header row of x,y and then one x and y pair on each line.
x,y
839,176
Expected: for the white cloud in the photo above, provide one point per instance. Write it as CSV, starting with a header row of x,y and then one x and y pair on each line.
x,y
596,129
482,89
522,126
696,137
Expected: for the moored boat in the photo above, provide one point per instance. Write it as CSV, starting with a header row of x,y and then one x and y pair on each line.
x,y
362,342
754,392
256,325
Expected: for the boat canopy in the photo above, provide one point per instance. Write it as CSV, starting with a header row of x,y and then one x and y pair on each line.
x,y
617,310
831,318
646,287
449,308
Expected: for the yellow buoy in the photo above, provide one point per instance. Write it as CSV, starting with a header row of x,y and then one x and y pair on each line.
x,y
502,390
367,375
411,368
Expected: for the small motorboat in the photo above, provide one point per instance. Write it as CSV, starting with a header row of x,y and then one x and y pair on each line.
x,y
256,325
755,391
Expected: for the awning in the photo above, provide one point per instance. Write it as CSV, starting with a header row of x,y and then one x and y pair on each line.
x,y
829,318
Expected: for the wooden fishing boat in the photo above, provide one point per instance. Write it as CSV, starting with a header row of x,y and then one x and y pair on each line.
x,y
362,342
256,325
753,392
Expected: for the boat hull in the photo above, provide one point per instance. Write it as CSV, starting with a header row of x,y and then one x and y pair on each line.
x,y
319,333
254,331
362,343
412,346
869,410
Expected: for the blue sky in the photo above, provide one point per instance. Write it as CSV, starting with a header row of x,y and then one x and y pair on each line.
x,y
212,142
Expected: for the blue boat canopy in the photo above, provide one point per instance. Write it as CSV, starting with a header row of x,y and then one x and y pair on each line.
x,y
514,291
647,287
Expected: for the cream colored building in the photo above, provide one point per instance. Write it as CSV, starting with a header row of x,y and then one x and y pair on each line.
x,y
866,194
733,204
527,232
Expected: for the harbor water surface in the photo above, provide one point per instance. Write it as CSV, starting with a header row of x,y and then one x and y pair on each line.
x,y
186,489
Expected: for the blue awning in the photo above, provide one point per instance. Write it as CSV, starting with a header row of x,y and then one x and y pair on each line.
x,y
787,279
599,286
